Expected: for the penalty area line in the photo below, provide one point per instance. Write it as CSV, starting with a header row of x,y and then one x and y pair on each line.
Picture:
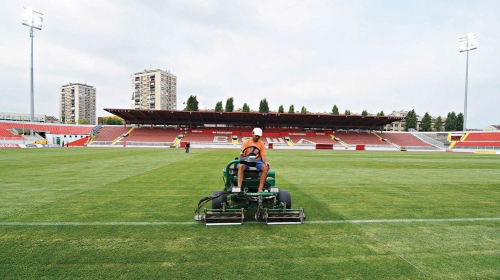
x,y
195,223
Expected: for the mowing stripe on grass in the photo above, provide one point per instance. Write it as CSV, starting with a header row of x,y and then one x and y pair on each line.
x,y
193,223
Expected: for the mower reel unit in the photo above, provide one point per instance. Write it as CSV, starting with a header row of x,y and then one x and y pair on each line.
x,y
229,206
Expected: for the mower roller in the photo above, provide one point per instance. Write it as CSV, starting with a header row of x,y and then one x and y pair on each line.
x,y
229,206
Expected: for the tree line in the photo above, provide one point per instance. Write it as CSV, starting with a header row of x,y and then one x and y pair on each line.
x,y
192,105
453,122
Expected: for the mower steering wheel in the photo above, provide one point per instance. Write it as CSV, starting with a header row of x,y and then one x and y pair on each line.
x,y
252,152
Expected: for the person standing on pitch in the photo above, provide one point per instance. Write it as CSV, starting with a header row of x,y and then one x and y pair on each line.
x,y
262,163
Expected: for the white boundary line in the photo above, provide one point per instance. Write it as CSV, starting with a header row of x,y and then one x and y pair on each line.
x,y
404,221
194,223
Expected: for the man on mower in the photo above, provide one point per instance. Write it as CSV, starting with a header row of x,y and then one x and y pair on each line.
x,y
262,163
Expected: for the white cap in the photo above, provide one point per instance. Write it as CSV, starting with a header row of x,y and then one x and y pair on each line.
x,y
257,131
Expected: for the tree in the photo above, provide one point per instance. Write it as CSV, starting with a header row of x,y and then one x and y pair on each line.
x,y
291,110
426,124
381,114
347,112
229,104
451,122
113,120
411,120
438,124
192,104
281,109
364,113
264,107
245,108
83,121
335,110
303,110
218,107
460,122
448,122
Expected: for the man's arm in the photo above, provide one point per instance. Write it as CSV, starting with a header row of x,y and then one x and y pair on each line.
x,y
243,146
264,159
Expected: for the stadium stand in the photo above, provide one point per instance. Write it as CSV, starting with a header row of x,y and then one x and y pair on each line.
x,y
216,136
207,138
158,134
404,139
317,139
482,136
478,141
146,134
362,138
6,134
110,133
48,128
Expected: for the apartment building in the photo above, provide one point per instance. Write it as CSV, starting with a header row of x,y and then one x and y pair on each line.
x,y
77,102
154,89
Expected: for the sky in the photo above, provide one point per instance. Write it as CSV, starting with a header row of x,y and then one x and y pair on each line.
x,y
359,55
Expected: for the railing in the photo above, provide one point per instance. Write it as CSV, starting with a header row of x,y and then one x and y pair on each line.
x,y
12,138
429,140
423,148
151,144
96,129
101,143
477,147
132,143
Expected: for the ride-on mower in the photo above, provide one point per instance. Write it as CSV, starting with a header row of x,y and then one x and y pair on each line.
x,y
229,206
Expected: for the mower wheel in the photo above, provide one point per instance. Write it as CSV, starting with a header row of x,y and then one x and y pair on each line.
x,y
284,196
217,203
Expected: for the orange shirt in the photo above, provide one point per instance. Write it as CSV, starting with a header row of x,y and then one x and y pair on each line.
x,y
259,144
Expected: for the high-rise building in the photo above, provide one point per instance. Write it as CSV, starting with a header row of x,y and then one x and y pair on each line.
x,y
77,102
154,89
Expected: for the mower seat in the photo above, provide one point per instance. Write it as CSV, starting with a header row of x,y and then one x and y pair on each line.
x,y
251,173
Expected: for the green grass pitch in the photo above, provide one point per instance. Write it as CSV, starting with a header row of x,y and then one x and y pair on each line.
x,y
128,214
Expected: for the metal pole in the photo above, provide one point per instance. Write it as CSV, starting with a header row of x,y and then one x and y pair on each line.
x,y
466,85
32,109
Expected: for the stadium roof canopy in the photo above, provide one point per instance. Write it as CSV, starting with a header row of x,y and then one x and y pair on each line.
x,y
200,118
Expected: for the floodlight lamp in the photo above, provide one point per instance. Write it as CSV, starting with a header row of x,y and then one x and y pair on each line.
x,y
467,43
27,16
32,18
37,20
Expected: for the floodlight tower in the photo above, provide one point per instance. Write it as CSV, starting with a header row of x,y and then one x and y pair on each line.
x,y
466,44
32,19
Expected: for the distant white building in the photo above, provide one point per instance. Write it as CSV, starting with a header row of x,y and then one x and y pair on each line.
x,y
16,117
400,125
77,102
492,128
154,89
